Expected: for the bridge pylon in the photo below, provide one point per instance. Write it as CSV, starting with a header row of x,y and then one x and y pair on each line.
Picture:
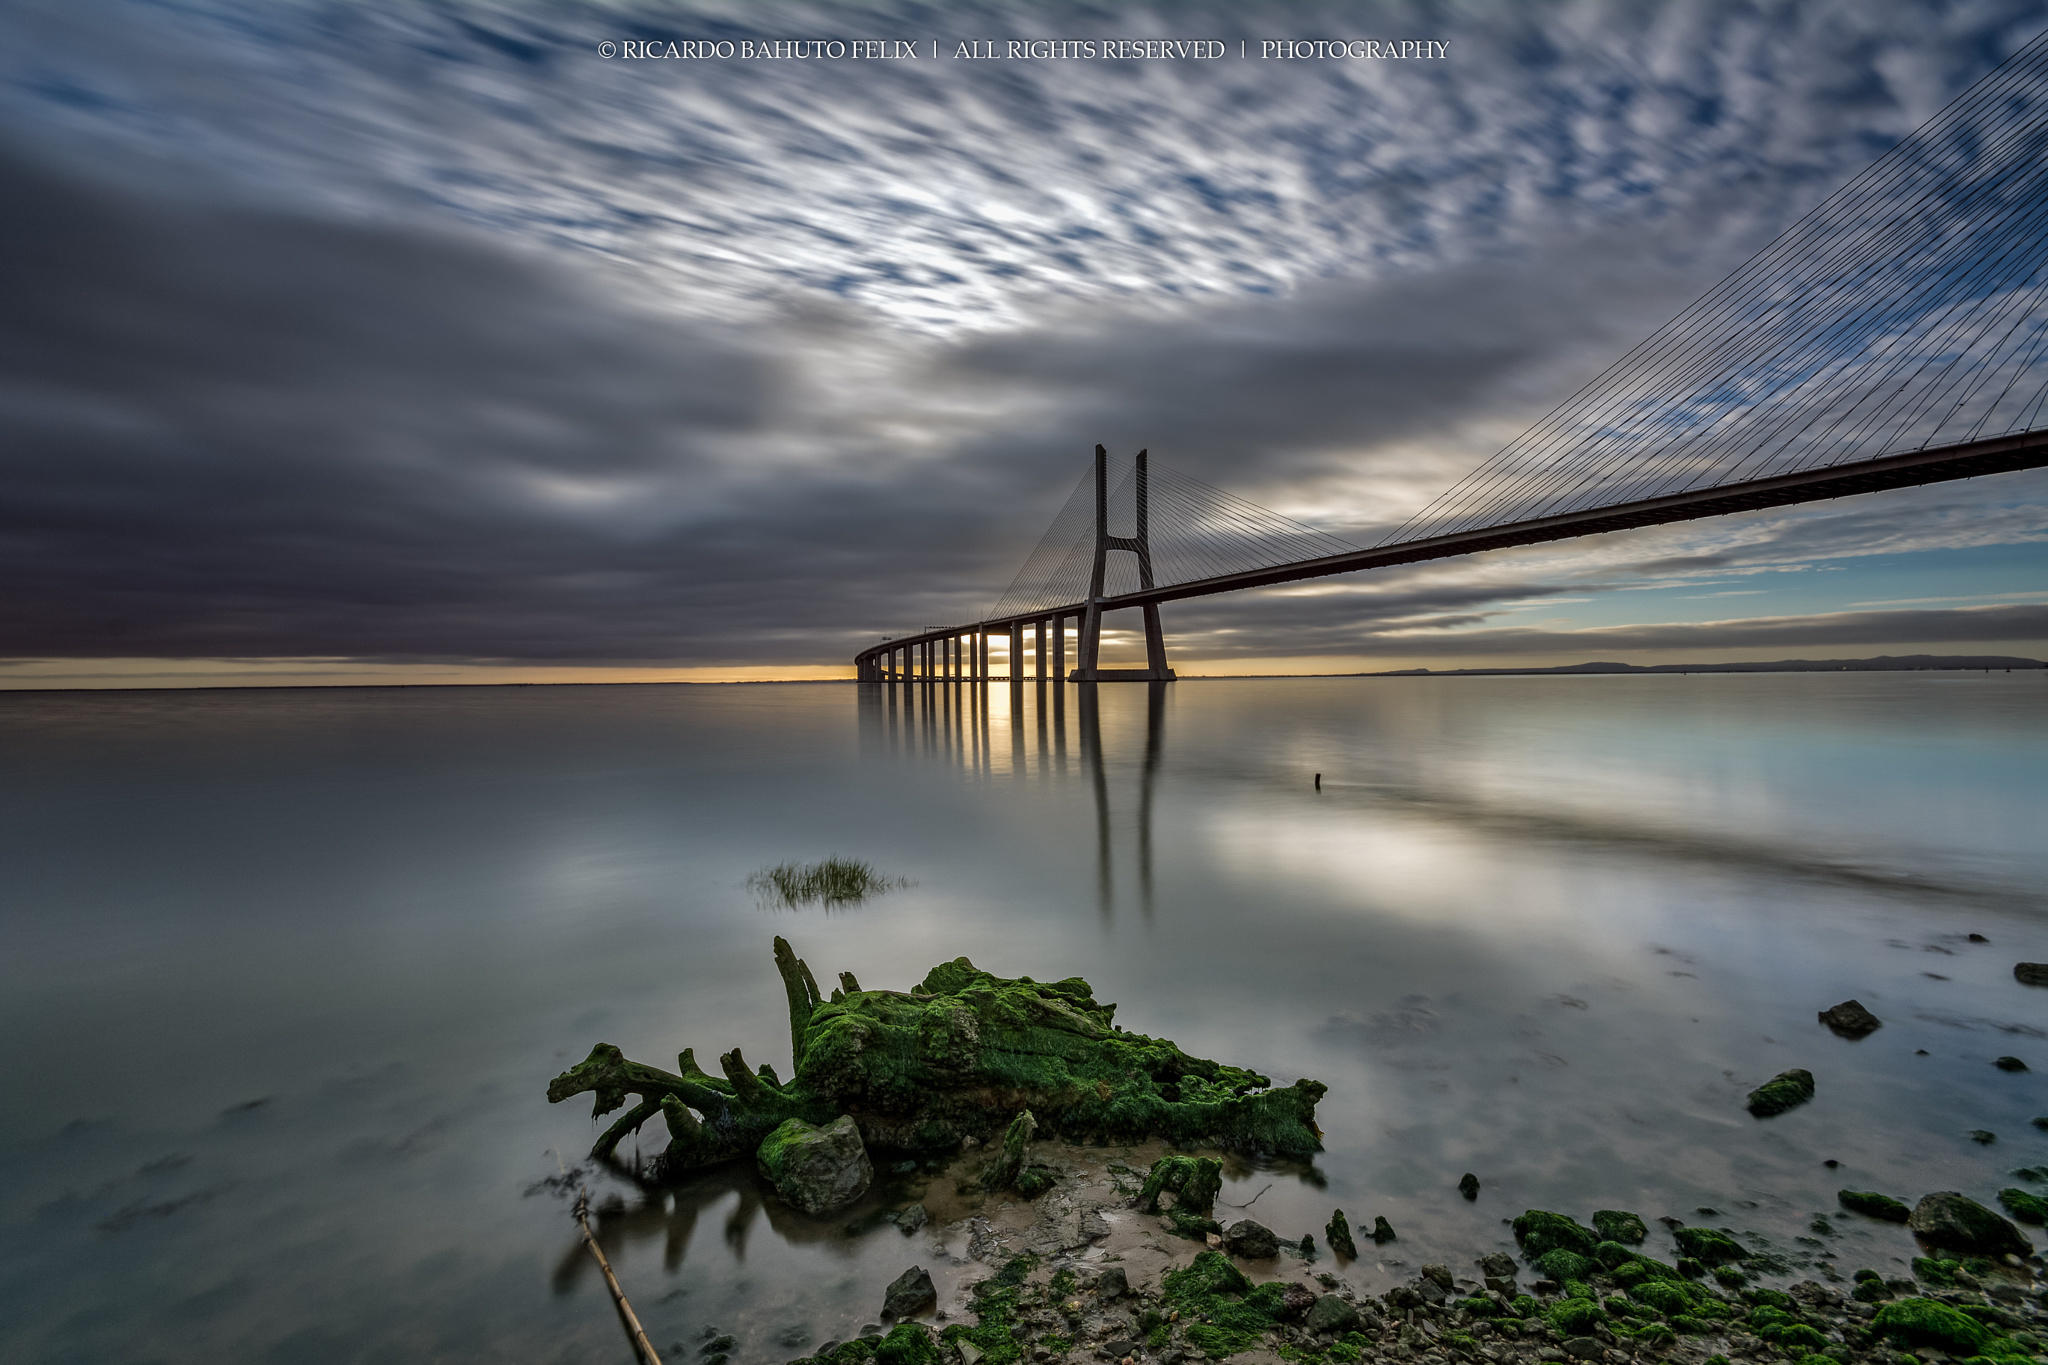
x,y
1089,646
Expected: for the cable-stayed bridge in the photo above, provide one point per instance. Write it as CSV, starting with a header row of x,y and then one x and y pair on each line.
x,y
1896,335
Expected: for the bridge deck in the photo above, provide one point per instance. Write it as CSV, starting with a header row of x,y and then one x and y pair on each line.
x,y
2027,450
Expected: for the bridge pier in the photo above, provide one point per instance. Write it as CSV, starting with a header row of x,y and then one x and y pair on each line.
x,y
1139,544
1038,655
1017,652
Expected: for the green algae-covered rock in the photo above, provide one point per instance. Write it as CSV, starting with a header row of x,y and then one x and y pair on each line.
x,y
957,1056
1564,1266
1538,1231
1952,1222
1710,1246
819,1170
1337,1232
1615,1225
1786,1090
2027,1208
1194,1181
1926,1322
1871,1204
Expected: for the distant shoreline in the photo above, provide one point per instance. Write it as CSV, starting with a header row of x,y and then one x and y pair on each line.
x,y
1885,663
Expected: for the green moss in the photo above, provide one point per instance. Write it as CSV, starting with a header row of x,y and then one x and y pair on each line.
x,y
1794,1336
1194,1181
955,1058
1620,1307
1477,1307
1655,1334
1525,1305
1693,1326
2024,1207
908,1343
1768,1298
1711,1246
1870,1291
1925,1322
1221,1312
1939,1273
1690,1267
1539,1230
1731,1276
1614,1225
1337,1232
1563,1266
1057,1344
1871,1204
1574,1317
1786,1090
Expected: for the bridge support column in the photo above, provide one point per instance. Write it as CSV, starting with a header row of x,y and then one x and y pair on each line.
x,y
1059,648
1139,544
1017,653
1038,661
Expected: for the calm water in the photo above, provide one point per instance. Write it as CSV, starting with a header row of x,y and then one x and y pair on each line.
x,y
283,975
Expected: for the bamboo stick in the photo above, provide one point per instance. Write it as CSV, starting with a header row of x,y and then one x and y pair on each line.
x,y
635,1333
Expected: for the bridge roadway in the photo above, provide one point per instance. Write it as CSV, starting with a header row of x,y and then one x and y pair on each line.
x,y
962,652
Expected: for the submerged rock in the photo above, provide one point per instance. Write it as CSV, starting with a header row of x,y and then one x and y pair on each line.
x,y
1786,1090
1468,1185
1871,1204
1850,1020
2030,973
2027,1208
2010,1064
1538,1231
909,1294
1949,1221
1382,1230
1617,1225
819,1170
947,1065
1710,1246
1337,1232
1251,1241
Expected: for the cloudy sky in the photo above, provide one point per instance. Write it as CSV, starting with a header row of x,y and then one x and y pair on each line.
x,y
389,341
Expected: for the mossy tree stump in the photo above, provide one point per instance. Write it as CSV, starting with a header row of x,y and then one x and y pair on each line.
x,y
959,1055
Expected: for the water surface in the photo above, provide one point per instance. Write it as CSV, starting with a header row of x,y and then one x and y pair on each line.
x,y
283,974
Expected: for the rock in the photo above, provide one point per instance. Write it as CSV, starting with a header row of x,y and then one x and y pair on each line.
x,y
1092,1227
1440,1276
1112,1283
1983,1137
1710,1245
1947,1220
1468,1185
1002,1170
1250,1241
1382,1230
1786,1090
1295,1302
1337,1232
1850,1020
818,1170
910,1294
2010,1064
718,1345
2027,1208
1871,1204
1497,1265
1307,1247
912,1218
2030,973
1979,938
1615,1225
1539,1230
1332,1316
1583,1348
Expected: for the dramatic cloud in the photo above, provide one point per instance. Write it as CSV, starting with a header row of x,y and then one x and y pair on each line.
x,y
433,336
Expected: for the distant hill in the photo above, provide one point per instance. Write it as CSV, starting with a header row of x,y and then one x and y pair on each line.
x,y
1884,663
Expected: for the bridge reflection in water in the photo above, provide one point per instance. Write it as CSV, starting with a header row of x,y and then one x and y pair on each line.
x,y
1021,730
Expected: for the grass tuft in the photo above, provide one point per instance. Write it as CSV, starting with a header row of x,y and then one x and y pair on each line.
x,y
832,882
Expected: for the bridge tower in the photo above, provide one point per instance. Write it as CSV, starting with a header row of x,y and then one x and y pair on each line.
x,y
1089,646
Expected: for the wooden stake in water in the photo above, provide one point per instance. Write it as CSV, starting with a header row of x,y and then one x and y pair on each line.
x,y
635,1333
